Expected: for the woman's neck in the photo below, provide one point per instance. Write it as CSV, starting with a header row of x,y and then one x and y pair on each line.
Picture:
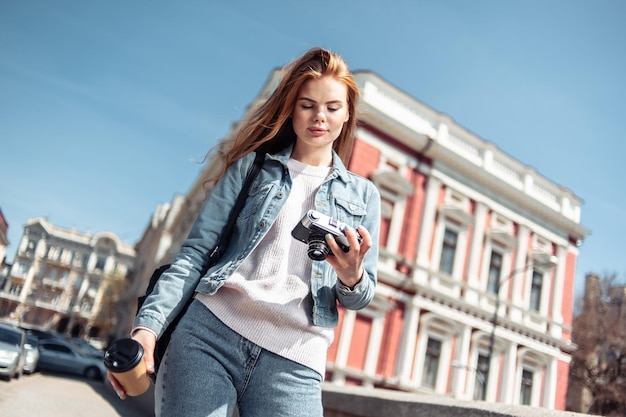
x,y
313,157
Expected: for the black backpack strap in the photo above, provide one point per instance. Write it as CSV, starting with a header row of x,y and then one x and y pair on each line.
x,y
226,232
222,243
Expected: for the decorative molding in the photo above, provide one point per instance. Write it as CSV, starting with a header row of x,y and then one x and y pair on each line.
x,y
388,180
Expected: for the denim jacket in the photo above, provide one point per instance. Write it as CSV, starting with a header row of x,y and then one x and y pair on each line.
x,y
343,195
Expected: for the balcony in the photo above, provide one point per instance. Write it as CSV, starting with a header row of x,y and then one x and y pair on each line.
x,y
54,283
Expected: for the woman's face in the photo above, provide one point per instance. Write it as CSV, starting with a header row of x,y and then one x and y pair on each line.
x,y
319,114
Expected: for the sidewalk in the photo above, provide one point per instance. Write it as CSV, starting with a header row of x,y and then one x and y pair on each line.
x,y
55,395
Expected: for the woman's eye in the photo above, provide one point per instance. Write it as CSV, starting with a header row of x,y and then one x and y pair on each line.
x,y
307,106
333,108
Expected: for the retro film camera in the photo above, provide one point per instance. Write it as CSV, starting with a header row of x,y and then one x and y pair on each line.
x,y
312,229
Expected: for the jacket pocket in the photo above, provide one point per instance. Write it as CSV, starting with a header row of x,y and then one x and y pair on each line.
x,y
256,196
350,211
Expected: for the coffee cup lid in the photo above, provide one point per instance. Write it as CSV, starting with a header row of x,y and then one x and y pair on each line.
x,y
123,355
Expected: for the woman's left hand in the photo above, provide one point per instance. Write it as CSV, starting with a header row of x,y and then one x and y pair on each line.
x,y
349,265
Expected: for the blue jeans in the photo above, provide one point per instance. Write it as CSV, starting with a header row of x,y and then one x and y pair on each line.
x,y
209,369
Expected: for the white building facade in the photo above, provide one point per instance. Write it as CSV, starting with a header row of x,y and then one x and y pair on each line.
x,y
66,281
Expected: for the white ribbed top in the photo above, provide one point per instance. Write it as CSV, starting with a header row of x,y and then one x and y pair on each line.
x,y
268,298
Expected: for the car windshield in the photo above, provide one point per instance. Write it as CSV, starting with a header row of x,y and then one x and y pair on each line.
x,y
85,347
10,336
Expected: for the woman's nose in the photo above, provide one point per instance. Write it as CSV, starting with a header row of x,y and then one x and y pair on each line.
x,y
320,116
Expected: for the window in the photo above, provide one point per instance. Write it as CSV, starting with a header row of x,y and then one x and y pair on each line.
x,y
86,305
22,268
100,263
535,291
60,349
85,262
78,282
62,276
5,309
53,253
41,273
495,269
30,247
431,363
526,389
15,289
93,286
49,297
480,383
448,250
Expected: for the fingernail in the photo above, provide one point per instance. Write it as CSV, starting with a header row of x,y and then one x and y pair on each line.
x,y
151,368
329,236
119,394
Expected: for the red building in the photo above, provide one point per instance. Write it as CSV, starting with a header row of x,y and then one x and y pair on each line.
x,y
477,261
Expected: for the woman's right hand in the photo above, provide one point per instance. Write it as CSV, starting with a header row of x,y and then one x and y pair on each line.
x,y
147,339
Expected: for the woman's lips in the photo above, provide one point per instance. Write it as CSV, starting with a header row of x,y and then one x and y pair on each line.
x,y
317,131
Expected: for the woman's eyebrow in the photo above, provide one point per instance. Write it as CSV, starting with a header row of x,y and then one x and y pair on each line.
x,y
313,101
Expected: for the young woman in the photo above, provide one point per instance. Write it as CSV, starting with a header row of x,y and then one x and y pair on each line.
x,y
256,336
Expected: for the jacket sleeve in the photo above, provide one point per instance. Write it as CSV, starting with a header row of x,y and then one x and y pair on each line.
x,y
363,293
177,284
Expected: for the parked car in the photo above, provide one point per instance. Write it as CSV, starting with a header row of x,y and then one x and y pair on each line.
x,y
12,352
86,347
32,353
60,356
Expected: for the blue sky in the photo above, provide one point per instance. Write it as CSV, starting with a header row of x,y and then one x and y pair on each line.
x,y
107,108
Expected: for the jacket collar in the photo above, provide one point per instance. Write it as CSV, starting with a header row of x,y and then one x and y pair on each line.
x,y
338,169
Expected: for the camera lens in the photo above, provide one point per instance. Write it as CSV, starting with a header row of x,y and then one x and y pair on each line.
x,y
318,249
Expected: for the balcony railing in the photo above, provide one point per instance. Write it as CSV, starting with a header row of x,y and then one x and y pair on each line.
x,y
400,273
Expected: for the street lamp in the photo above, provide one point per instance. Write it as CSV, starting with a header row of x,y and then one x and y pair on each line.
x,y
480,375
546,262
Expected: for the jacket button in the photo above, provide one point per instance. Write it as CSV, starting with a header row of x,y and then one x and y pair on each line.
x,y
280,194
